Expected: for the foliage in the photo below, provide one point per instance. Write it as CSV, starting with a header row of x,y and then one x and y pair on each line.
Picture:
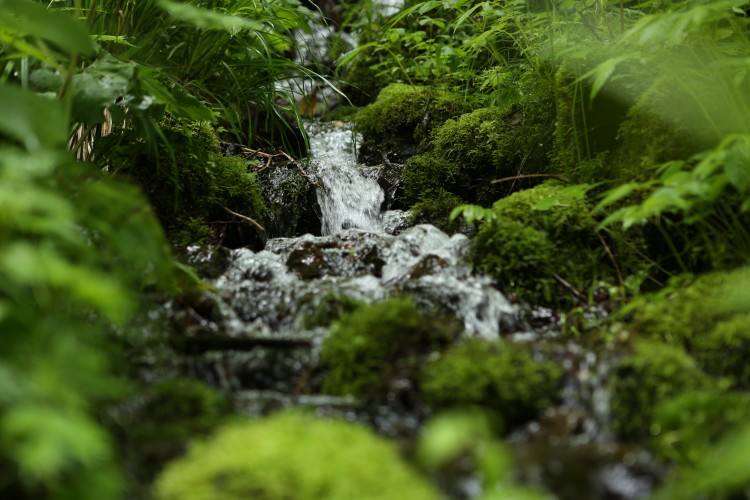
x,y
649,375
685,427
371,346
501,376
724,350
77,246
720,472
291,455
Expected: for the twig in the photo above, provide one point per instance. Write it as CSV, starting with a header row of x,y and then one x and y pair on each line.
x,y
526,176
244,217
612,258
570,287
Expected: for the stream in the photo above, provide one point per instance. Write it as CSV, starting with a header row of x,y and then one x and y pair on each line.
x,y
252,338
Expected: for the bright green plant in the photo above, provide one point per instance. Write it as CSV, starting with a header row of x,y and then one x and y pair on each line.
x,y
368,347
77,247
501,376
292,455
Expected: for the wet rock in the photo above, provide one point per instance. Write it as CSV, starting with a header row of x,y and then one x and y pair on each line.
x,y
308,261
289,191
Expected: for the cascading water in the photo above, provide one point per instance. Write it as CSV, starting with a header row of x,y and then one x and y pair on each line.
x,y
347,198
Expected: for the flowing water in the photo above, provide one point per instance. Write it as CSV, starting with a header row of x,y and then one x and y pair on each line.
x,y
252,336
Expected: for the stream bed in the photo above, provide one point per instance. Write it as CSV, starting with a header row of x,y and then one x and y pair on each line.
x,y
254,336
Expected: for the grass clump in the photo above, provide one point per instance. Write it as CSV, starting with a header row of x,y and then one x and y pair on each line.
x,y
652,373
371,346
291,455
500,376
407,113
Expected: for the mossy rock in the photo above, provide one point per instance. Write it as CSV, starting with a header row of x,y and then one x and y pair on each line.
x,y
436,211
687,426
721,472
328,309
371,346
407,113
536,234
519,257
652,373
292,455
426,176
725,350
501,376
687,310
190,184
560,212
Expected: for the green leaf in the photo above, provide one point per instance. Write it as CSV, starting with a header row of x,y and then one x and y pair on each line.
x,y
35,121
210,20
737,166
57,27
602,73
614,195
472,213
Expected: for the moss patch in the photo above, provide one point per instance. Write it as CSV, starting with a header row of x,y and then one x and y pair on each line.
x,y
653,373
539,233
292,456
501,376
436,211
407,113
368,348
689,424
190,184
725,350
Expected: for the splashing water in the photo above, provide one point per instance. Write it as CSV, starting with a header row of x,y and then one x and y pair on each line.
x,y
347,198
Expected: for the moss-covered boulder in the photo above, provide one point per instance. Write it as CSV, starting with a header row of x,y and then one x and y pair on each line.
x,y
519,257
538,236
436,211
687,426
501,376
652,373
725,350
193,188
292,456
405,114
687,311
371,347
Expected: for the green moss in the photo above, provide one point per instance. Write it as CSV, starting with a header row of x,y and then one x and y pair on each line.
x,y
689,424
561,213
685,311
537,233
428,175
501,376
180,409
726,349
640,381
292,456
173,412
368,347
328,309
436,211
189,184
519,257
407,112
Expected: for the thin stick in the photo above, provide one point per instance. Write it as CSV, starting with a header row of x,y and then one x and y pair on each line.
x,y
612,258
526,176
244,217
570,287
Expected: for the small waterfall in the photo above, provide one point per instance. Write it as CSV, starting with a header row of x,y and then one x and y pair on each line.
x,y
347,198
